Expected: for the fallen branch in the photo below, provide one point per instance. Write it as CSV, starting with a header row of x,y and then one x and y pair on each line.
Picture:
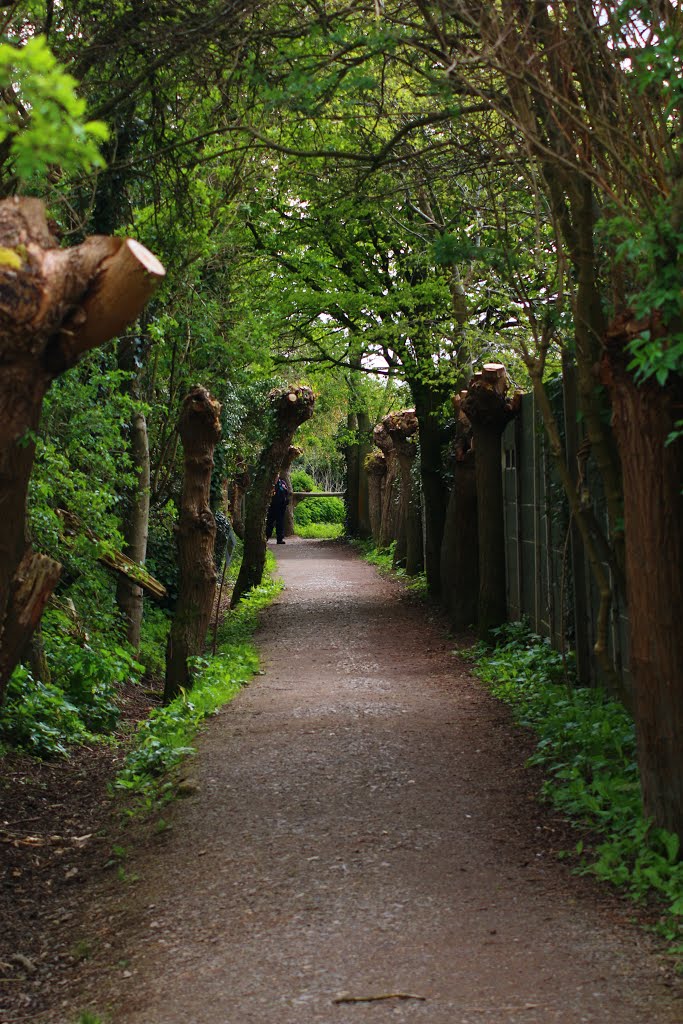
x,y
116,560
345,997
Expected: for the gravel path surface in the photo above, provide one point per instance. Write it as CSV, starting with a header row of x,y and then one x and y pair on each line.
x,y
363,826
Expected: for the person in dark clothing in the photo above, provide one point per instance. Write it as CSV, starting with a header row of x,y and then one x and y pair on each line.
x,y
276,511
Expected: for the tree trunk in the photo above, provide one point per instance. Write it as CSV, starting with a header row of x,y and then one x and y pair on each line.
x,y
240,486
55,304
391,493
401,427
129,595
286,474
376,470
290,408
460,545
460,549
431,477
488,411
653,513
199,428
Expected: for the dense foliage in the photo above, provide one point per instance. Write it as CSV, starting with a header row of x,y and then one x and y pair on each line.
x,y
319,510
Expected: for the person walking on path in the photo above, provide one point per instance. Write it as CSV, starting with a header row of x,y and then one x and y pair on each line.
x,y
276,511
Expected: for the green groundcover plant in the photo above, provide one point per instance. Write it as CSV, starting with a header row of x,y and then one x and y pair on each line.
x,y
586,747
320,531
165,738
383,559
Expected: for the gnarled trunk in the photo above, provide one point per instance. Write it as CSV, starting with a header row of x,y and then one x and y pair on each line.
x,y
199,428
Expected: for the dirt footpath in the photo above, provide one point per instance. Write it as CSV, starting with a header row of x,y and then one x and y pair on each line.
x,y
363,827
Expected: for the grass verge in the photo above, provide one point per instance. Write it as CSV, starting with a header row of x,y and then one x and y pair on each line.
x,y
164,739
383,559
587,748
319,531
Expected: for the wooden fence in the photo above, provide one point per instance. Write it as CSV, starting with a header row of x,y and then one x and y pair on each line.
x,y
548,576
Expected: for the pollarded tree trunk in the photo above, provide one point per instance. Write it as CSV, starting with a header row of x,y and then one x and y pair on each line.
x,y
199,427
391,494
290,407
129,596
644,416
55,305
286,474
460,545
376,470
488,410
402,428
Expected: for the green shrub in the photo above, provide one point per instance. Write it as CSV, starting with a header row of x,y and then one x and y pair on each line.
x,y
90,677
319,510
302,481
156,623
39,718
79,703
162,561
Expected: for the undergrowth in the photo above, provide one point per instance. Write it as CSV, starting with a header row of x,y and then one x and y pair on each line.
x,y
165,738
586,747
383,559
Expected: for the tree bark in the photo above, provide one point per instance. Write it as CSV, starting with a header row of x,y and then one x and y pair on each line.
x,y
391,495
240,486
199,428
290,407
32,584
129,595
401,427
460,545
427,404
644,416
376,470
55,304
488,410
